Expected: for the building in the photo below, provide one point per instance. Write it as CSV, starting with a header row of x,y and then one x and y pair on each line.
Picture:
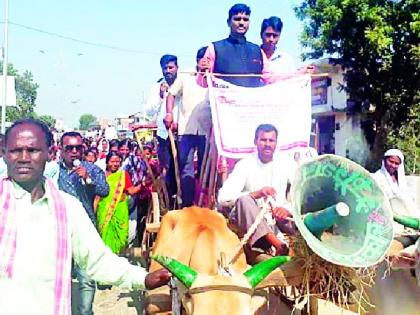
x,y
122,125
336,123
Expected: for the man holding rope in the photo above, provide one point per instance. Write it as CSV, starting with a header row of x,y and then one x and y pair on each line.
x,y
254,179
42,229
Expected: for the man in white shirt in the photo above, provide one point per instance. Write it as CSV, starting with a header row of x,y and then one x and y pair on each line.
x,y
253,179
279,63
42,229
156,106
194,122
391,177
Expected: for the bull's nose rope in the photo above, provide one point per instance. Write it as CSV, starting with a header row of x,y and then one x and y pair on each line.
x,y
266,206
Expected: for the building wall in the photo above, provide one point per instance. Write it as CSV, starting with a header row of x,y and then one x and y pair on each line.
x,y
338,96
348,138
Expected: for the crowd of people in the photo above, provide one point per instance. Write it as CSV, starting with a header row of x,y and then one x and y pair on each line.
x,y
84,200
111,180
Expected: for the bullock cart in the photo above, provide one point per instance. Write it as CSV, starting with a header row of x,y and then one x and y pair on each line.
x,y
207,246
201,240
191,240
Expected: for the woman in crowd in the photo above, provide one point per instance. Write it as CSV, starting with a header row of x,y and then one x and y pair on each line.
x,y
91,155
137,170
103,148
112,146
145,194
112,211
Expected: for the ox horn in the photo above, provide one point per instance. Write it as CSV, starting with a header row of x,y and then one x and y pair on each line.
x,y
182,272
257,273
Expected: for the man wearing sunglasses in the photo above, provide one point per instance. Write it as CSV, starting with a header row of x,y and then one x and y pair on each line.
x,y
235,55
83,181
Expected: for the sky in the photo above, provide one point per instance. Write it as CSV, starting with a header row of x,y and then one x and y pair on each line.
x,y
77,78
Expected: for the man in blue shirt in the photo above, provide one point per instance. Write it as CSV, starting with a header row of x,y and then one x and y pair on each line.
x,y
84,181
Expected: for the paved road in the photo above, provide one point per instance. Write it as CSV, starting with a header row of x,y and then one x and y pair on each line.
x,y
114,302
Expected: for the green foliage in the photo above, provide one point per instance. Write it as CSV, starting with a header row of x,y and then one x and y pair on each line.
x,y
377,44
26,93
86,121
49,120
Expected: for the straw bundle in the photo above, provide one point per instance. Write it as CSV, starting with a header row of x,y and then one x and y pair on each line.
x,y
343,286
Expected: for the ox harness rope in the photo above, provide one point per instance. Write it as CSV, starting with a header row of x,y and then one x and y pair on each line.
x,y
266,207
222,287
176,303
176,300
224,268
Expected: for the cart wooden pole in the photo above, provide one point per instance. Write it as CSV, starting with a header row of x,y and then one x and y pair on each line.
x,y
205,155
212,180
176,166
205,176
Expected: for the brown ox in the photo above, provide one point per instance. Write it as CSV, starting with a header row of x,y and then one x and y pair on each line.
x,y
198,238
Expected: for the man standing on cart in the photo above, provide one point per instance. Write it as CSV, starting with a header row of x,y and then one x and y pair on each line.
x,y
156,106
193,125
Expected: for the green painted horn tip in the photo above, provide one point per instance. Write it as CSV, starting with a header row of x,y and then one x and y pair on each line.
x,y
282,259
287,258
160,258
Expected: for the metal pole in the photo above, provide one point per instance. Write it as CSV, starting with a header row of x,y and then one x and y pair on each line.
x,y
6,31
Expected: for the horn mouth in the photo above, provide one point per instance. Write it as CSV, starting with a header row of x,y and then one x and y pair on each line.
x,y
182,272
257,273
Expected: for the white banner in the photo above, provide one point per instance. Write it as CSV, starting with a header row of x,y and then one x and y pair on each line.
x,y
237,111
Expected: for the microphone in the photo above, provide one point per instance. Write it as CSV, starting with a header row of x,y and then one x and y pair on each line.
x,y
76,164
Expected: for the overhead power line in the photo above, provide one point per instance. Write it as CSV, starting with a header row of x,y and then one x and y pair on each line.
x,y
99,45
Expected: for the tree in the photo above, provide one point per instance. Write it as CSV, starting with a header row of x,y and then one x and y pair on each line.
x,y
26,93
377,44
49,120
86,121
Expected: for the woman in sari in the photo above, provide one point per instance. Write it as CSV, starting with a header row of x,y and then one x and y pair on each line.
x,y
112,211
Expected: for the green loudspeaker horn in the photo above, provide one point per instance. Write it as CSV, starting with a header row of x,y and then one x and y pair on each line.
x,y
359,236
324,219
405,212
407,221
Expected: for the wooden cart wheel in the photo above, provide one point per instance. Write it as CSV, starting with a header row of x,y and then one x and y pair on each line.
x,y
152,228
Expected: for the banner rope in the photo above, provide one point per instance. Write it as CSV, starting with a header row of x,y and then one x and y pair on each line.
x,y
247,75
